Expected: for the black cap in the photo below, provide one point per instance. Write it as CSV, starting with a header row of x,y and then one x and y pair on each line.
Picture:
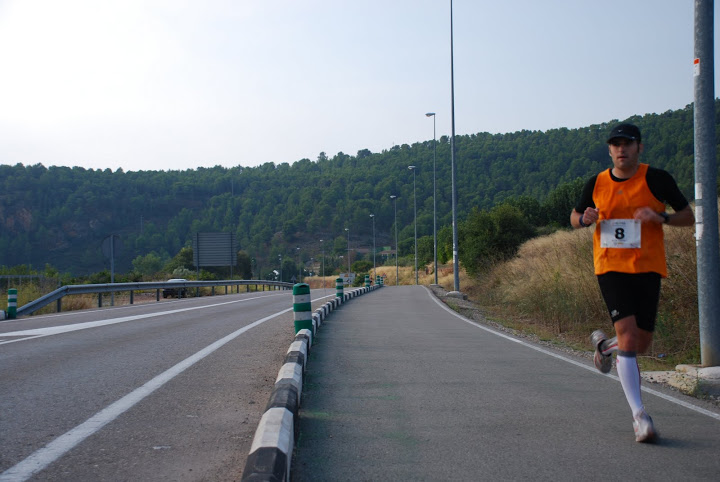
x,y
628,131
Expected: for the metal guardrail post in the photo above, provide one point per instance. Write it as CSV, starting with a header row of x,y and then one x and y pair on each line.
x,y
339,287
302,309
12,304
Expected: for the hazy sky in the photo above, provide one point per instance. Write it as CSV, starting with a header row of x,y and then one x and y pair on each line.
x,y
158,85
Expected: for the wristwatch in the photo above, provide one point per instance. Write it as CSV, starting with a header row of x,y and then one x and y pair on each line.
x,y
665,216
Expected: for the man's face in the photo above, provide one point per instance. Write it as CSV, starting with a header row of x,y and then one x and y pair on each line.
x,y
625,153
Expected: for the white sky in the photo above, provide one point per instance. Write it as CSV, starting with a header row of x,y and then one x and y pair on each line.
x,y
181,84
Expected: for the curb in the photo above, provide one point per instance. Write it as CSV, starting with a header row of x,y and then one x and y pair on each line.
x,y
270,456
691,380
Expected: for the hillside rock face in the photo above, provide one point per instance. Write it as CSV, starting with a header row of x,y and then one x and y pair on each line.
x,y
17,221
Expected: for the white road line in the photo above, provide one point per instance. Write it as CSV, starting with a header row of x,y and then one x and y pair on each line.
x,y
43,457
669,398
56,330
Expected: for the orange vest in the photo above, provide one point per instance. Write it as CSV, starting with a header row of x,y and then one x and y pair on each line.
x,y
619,200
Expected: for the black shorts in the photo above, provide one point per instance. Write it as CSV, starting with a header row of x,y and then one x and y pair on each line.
x,y
628,294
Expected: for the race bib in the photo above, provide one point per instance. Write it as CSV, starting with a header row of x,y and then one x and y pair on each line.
x,y
620,233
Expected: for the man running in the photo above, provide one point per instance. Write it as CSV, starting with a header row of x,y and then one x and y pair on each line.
x,y
627,202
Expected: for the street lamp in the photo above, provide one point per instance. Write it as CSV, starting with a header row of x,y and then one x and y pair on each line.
x,y
413,168
453,168
280,260
374,267
432,114
397,271
348,250
323,264
299,264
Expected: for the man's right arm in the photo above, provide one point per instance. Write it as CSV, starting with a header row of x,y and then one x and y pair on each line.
x,y
585,208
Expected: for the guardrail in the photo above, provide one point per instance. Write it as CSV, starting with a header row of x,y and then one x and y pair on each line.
x,y
58,294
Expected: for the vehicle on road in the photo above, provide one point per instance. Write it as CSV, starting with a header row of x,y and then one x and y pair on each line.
x,y
180,292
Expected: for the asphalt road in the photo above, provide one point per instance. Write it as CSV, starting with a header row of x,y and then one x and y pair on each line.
x,y
400,388
164,391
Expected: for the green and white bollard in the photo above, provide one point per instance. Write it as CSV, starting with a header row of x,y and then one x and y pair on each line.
x,y
339,290
302,307
12,304
367,281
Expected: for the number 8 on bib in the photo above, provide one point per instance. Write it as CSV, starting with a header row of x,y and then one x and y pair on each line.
x,y
620,233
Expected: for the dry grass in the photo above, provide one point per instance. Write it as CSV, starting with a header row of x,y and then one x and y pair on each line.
x,y
550,289
406,273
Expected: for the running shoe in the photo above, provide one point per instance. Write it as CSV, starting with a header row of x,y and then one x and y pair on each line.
x,y
602,362
644,428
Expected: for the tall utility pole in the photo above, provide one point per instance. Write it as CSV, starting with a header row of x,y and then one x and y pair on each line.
x,y
432,114
706,209
397,270
413,168
348,251
323,264
372,216
456,266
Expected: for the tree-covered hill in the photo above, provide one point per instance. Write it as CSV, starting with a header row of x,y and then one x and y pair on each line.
x,y
61,215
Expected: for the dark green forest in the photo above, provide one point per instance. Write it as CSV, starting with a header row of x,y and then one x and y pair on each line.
x,y
60,216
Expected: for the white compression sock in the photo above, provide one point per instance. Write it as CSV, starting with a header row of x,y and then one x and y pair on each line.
x,y
629,375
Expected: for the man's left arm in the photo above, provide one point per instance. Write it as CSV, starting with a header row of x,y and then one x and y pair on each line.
x,y
684,217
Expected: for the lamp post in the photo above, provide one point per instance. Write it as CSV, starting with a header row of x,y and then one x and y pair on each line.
x,y
456,267
322,245
397,270
280,260
372,216
299,264
432,114
348,250
413,168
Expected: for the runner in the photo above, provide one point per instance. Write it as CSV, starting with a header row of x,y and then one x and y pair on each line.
x,y
628,203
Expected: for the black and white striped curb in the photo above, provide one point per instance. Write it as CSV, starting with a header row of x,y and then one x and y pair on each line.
x,y
270,455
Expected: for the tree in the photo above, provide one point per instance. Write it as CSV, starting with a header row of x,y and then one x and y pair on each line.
x,y
244,265
561,201
147,265
425,250
361,267
490,236
531,208
184,259
445,241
